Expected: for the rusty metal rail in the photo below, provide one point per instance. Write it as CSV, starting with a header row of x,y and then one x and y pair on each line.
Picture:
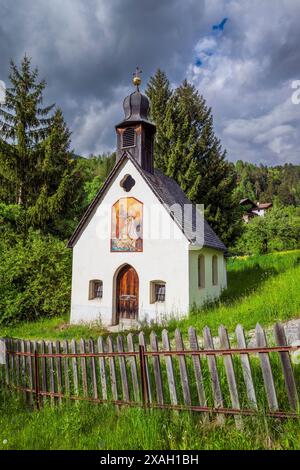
x,y
200,352
166,406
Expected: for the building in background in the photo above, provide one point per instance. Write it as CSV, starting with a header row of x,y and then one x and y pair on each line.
x,y
253,209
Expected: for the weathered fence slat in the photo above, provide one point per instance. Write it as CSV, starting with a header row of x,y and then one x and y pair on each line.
x,y
122,363
194,345
51,371
169,366
83,368
142,342
36,377
230,374
157,369
93,369
112,369
12,367
287,369
30,371
17,349
214,375
100,345
246,368
58,370
23,369
44,370
266,369
65,347
133,368
75,367
183,369
7,359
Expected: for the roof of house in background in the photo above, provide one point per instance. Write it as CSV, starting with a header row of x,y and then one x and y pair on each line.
x,y
247,202
264,205
169,194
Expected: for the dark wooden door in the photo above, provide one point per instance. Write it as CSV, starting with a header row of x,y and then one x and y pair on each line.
x,y
127,293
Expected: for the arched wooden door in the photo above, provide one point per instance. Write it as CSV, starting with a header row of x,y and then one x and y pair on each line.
x,y
127,293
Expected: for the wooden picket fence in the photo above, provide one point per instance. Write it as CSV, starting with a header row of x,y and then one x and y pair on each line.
x,y
233,379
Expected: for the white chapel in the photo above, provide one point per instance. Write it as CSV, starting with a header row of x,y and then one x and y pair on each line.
x,y
142,251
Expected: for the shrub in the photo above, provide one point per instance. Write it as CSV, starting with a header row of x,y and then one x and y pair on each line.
x,y
279,230
35,278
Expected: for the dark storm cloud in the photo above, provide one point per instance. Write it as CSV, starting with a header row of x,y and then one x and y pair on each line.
x,y
88,50
244,66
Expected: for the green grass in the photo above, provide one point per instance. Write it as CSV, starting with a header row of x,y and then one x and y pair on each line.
x,y
262,289
88,426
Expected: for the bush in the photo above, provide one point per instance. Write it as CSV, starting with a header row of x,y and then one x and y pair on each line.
x,y
35,278
279,230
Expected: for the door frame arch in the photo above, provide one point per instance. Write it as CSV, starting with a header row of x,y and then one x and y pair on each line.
x,y
115,319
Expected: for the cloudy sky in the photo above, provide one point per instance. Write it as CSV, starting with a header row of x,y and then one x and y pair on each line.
x,y
242,55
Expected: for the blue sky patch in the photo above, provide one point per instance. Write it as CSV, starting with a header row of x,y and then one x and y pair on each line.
x,y
198,62
220,26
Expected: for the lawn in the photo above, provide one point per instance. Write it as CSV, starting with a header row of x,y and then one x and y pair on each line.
x,y
87,426
262,289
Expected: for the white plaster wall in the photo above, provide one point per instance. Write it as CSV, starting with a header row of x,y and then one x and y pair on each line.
x,y
163,258
198,296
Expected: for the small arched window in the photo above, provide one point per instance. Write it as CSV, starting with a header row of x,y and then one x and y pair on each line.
x,y
128,138
215,270
201,271
95,289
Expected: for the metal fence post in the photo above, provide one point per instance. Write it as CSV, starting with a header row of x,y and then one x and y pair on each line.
x,y
144,380
36,380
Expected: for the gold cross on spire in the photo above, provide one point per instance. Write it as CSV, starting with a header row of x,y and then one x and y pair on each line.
x,y
137,78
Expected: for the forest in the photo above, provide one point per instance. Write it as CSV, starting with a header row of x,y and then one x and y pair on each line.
x,y
45,188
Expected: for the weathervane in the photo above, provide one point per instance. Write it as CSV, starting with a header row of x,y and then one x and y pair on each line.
x,y
137,78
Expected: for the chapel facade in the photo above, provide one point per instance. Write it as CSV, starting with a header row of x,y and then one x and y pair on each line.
x,y
142,251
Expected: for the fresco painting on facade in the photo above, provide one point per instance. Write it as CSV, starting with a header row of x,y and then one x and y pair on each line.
x,y
127,225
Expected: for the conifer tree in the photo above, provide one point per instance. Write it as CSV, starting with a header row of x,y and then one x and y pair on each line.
x,y
24,122
58,179
195,159
37,169
159,92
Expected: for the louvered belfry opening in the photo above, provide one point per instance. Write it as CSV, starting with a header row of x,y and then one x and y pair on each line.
x,y
135,134
128,138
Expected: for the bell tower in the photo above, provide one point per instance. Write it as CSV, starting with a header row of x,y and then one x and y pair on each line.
x,y
135,134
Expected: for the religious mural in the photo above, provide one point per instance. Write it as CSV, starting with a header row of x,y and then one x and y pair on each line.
x,y
127,225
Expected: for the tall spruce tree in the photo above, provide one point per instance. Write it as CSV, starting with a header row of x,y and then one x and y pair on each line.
x,y
58,181
195,159
159,92
24,122
35,158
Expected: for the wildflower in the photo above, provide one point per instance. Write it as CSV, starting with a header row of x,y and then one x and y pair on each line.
x,y
296,354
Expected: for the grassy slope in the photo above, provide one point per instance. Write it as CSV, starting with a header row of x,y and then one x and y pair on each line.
x,y
262,289
95,427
